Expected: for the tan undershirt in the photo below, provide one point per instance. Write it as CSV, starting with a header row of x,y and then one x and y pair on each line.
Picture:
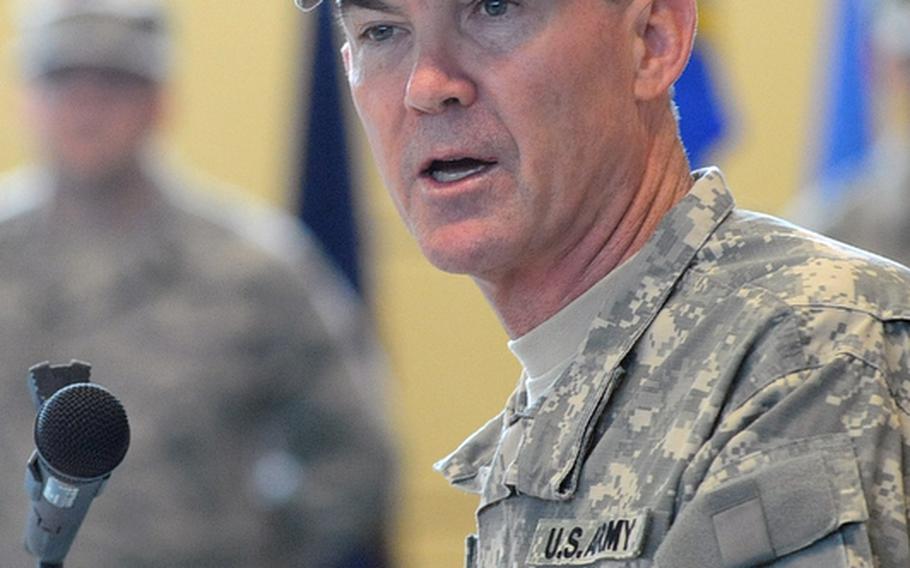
x,y
548,349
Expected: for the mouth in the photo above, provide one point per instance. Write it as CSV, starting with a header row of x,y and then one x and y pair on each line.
x,y
455,170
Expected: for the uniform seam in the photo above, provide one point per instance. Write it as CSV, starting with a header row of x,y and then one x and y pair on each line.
x,y
713,271
880,374
781,310
708,272
791,310
881,317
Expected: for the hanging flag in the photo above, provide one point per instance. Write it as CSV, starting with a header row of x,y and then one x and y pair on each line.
x,y
703,121
327,204
846,125
703,116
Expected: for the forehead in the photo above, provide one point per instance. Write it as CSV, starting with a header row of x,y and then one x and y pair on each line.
x,y
397,7
404,7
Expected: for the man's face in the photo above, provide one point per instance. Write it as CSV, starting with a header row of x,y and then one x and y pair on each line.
x,y
91,123
506,131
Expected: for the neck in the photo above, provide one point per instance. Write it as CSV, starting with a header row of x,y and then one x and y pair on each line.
x,y
526,299
105,202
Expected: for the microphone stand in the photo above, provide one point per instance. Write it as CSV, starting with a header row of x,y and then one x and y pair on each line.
x,y
43,381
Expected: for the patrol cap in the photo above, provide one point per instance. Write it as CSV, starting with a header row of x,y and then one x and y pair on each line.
x,y
125,35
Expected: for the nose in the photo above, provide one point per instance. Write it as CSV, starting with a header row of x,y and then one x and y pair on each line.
x,y
437,82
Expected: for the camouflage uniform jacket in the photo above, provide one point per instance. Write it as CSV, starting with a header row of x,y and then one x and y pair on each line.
x,y
741,399
253,443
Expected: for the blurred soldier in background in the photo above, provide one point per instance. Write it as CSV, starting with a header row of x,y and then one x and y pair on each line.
x,y
875,215
258,438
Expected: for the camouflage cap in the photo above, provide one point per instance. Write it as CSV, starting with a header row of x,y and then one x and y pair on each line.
x,y
125,35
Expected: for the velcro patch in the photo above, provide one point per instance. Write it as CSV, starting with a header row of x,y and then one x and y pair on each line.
x,y
576,542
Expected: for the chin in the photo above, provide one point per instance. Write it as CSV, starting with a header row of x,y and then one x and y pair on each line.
x,y
475,256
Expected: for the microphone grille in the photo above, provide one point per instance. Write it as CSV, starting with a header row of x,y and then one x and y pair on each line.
x,y
82,431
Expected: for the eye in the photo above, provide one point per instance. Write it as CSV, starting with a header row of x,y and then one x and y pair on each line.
x,y
379,33
494,8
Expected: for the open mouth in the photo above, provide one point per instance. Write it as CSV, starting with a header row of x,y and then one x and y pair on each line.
x,y
450,171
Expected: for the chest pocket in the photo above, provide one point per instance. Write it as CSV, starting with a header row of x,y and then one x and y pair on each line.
x,y
798,512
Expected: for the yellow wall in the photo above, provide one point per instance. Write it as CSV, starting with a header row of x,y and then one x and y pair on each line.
x,y
235,90
11,147
770,51
233,117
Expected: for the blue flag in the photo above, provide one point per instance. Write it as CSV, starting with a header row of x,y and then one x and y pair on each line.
x,y
327,204
846,128
703,120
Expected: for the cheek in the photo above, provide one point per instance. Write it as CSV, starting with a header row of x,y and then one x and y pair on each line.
x,y
372,118
381,119
534,113
57,129
570,119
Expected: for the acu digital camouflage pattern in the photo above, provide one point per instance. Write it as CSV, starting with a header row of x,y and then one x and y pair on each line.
x,y
254,445
744,389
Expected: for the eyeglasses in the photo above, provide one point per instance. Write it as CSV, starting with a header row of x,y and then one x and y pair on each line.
x,y
307,5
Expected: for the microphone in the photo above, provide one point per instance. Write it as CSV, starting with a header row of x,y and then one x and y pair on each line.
x,y
81,435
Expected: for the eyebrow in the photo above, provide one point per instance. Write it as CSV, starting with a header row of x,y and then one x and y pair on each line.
x,y
344,6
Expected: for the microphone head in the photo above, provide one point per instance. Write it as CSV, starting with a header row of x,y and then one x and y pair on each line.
x,y
82,431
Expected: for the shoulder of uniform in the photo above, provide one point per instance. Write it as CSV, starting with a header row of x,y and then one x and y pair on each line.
x,y
800,268
236,235
228,220
21,191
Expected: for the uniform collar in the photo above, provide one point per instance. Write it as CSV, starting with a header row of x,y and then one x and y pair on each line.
x,y
563,421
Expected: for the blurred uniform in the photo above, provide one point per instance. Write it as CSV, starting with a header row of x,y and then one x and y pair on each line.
x,y
739,397
258,434
876,212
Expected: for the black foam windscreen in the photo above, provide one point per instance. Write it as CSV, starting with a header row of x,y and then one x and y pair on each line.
x,y
82,431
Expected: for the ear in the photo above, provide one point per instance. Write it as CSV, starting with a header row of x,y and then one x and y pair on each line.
x,y
665,31
346,58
